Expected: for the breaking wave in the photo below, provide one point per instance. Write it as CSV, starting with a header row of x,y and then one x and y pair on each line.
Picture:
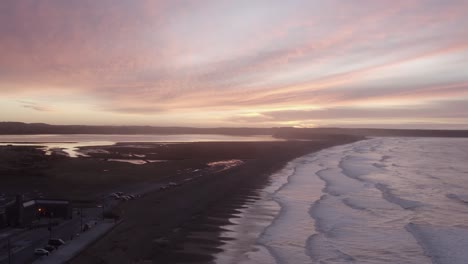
x,y
382,200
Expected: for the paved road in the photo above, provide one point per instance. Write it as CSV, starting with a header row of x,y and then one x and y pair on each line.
x,y
73,248
25,242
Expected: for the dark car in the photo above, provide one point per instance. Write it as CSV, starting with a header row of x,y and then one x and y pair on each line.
x,y
49,248
56,242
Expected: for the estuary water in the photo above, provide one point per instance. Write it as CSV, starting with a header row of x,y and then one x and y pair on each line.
x,y
381,200
69,143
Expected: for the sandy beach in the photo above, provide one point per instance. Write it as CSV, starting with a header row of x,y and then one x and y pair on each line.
x,y
159,227
165,225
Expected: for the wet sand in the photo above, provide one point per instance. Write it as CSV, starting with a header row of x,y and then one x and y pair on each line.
x,y
183,224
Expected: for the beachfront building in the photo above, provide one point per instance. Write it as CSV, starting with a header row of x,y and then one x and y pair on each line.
x,y
22,213
3,218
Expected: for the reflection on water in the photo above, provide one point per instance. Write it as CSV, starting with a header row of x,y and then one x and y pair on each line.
x,y
69,143
136,162
70,149
225,164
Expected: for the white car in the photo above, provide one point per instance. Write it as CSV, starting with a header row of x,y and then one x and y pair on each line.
x,y
173,184
124,198
41,252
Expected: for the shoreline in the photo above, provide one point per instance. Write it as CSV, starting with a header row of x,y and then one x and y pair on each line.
x,y
158,227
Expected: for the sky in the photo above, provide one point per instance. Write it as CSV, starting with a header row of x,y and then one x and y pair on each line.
x,y
249,63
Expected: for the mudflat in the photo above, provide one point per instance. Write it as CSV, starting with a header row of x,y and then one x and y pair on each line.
x,y
157,227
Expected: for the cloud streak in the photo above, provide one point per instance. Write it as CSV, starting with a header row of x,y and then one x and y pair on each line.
x,y
158,59
35,106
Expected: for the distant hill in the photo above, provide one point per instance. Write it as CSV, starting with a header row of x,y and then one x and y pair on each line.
x,y
18,128
307,133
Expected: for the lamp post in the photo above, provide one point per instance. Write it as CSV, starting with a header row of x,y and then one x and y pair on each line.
x,y
9,250
102,207
50,224
81,219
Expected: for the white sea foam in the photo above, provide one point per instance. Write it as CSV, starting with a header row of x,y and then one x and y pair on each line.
x,y
382,200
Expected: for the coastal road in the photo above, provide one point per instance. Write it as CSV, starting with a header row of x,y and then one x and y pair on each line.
x,y
24,244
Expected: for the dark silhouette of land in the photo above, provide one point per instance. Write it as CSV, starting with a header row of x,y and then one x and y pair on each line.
x,y
157,227
310,133
18,128
202,188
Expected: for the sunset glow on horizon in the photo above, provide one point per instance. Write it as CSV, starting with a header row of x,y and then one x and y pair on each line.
x,y
265,63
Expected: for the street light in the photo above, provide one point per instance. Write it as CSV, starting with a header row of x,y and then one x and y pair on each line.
x,y
9,250
81,219
102,207
50,224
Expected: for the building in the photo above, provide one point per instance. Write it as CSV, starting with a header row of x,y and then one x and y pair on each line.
x,y
20,213
54,208
4,205
3,217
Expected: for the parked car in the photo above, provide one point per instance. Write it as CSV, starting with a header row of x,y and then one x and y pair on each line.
x,y
41,252
173,184
49,248
124,198
89,225
56,242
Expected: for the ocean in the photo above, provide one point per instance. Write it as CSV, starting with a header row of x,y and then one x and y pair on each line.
x,y
381,200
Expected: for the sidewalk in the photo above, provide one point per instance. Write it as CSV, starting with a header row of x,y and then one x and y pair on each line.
x,y
9,231
74,247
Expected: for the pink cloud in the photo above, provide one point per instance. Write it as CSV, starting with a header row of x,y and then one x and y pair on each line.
x,y
152,57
